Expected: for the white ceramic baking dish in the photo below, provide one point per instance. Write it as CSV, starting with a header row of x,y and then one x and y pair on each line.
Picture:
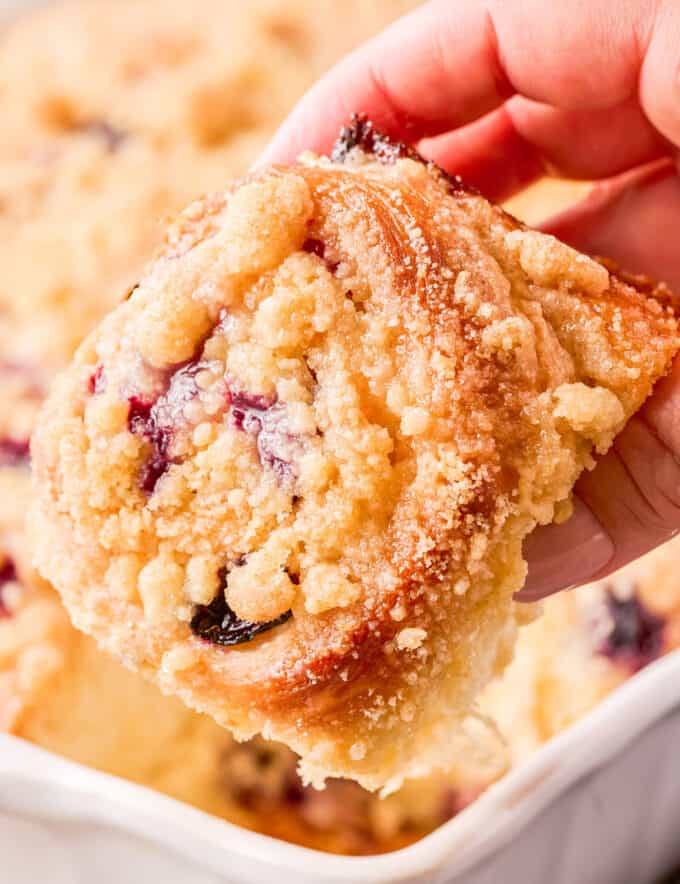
x,y
600,804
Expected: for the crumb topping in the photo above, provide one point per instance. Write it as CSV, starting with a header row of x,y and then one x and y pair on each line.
x,y
299,461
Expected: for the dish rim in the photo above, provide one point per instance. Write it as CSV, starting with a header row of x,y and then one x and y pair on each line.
x,y
483,828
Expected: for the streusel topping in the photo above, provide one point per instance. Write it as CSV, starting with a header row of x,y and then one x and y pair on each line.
x,y
291,475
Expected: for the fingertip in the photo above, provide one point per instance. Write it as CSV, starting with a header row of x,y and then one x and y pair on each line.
x,y
313,124
659,80
531,596
565,555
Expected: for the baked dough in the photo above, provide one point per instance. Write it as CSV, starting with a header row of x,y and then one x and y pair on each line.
x,y
289,478
115,115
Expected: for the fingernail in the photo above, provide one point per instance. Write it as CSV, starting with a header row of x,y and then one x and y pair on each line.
x,y
566,555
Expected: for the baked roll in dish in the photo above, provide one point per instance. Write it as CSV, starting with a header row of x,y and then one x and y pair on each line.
x,y
289,478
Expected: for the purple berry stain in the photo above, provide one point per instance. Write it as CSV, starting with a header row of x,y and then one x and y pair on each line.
x,y
156,421
248,409
218,624
8,574
317,247
14,452
112,137
97,381
636,635
141,422
361,134
265,419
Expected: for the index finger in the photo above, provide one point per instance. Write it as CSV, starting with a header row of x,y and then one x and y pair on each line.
x,y
447,64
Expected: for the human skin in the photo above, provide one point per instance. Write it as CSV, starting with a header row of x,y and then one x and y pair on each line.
x,y
503,92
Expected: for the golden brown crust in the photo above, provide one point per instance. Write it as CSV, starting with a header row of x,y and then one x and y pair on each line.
x,y
641,283
391,384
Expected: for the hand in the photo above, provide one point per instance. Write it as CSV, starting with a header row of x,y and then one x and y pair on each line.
x,y
502,92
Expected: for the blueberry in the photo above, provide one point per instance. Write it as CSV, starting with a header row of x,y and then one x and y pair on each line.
x,y
112,137
363,135
97,381
318,247
8,574
636,634
218,624
14,452
155,420
265,419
